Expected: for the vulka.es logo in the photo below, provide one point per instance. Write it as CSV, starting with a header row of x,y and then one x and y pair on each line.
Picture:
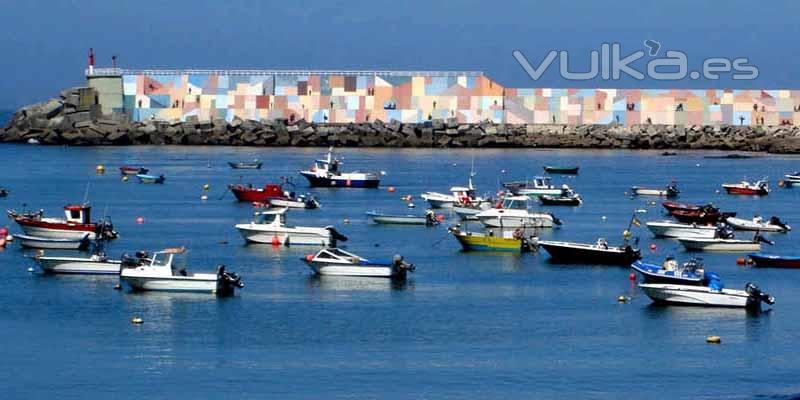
x,y
609,64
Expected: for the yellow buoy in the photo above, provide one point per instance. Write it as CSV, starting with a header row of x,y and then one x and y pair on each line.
x,y
622,299
206,187
125,178
714,339
136,320
100,169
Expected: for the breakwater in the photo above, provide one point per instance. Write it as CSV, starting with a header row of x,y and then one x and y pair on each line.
x,y
75,119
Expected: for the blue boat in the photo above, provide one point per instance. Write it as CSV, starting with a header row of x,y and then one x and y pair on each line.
x,y
763,260
325,173
143,178
690,273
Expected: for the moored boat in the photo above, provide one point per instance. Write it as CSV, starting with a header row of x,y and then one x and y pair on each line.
x,y
270,227
567,198
503,240
697,214
561,169
132,170
337,262
713,295
96,264
306,201
759,188
37,242
584,253
670,191
720,244
763,260
773,224
537,186
459,196
428,219
688,273
76,225
326,173
514,213
469,211
144,178
255,164
672,229
252,194
159,273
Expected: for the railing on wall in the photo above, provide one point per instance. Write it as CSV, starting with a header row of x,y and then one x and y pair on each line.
x,y
108,72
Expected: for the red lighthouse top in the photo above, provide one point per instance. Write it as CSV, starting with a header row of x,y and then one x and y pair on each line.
x,y
91,57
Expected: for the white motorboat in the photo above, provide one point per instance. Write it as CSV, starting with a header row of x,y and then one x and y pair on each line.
x,y
514,214
720,244
459,195
672,229
76,224
670,191
774,224
793,177
337,262
713,295
159,273
468,212
270,227
326,173
303,201
540,185
36,242
96,264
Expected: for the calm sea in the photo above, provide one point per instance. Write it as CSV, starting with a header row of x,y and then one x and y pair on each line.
x,y
465,325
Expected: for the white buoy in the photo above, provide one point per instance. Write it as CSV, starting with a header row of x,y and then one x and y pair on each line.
x,y
603,217
411,205
30,269
9,238
383,172
203,197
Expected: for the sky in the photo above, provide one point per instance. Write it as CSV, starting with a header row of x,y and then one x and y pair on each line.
x,y
44,43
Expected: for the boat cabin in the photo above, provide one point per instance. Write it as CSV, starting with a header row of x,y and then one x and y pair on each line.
x,y
463,194
271,217
168,262
78,213
515,203
540,182
329,164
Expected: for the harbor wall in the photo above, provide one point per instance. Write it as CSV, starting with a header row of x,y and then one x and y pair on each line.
x,y
414,97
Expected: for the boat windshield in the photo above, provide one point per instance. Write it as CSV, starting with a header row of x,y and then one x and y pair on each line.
x,y
268,218
541,182
161,259
515,204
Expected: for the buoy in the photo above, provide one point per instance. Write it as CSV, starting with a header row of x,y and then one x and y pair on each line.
x,y
411,205
383,172
697,165
10,238
100,169
603,217
626,233
622,299
117,287
30,269
781,183
3,231
390,189
454,164
717,191
440,217
346,221
741,261
309,257
206,187
275,240
502,171
632,277
714,339
136,320
203,197
652,246
125,178
139,220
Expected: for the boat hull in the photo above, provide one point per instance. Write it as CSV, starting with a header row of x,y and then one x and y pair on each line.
x,y
673,230
398,219
539,192
652,192
548,200
579,253
373,271
745,190
472,242
655,274
731,245
258,233
74,265
340,181
171,284
561,170
515,222
47,243
235,165
747,225
697,296
51,231
774,261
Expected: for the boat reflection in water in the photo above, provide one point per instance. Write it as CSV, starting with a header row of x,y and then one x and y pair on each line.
x,y
356,283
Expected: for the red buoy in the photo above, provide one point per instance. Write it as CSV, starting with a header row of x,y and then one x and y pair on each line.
x,y
741,261
653,246
309,257
139,220
3,232
632,277
275,240
390,189
440,217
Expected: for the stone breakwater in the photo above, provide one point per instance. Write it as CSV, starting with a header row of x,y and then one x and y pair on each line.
x,y
66,121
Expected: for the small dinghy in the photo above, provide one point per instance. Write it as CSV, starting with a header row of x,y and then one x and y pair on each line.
x,y
724,241
255,164
96,264
561,169
671,229
712,295
688,273
131,170
670,191
144,178
773,224
337,262
792,178
306,201
590,254
762,260
759,188
504,240
36,242
428,219
158,272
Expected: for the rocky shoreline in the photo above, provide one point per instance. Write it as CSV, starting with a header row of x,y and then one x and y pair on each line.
x,y
65,121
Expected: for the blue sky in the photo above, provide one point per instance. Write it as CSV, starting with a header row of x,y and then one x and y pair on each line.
x,y
45,42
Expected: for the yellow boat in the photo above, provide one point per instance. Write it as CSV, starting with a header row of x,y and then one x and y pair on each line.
x,y
488,242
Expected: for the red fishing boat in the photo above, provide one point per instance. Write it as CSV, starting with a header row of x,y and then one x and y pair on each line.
x,y
759,188
690,213
259,195
76,225
131,170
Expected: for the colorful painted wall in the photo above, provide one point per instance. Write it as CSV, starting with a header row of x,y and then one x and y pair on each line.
x,y
416,97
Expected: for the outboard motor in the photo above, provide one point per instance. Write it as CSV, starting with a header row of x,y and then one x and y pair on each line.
x,y
430,218
759,238
132,262
228,281
756,294
335,235
773,220
672,190
107,230
724,231
401,265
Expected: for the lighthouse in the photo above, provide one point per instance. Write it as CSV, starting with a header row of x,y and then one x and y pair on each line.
x,y
91,61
